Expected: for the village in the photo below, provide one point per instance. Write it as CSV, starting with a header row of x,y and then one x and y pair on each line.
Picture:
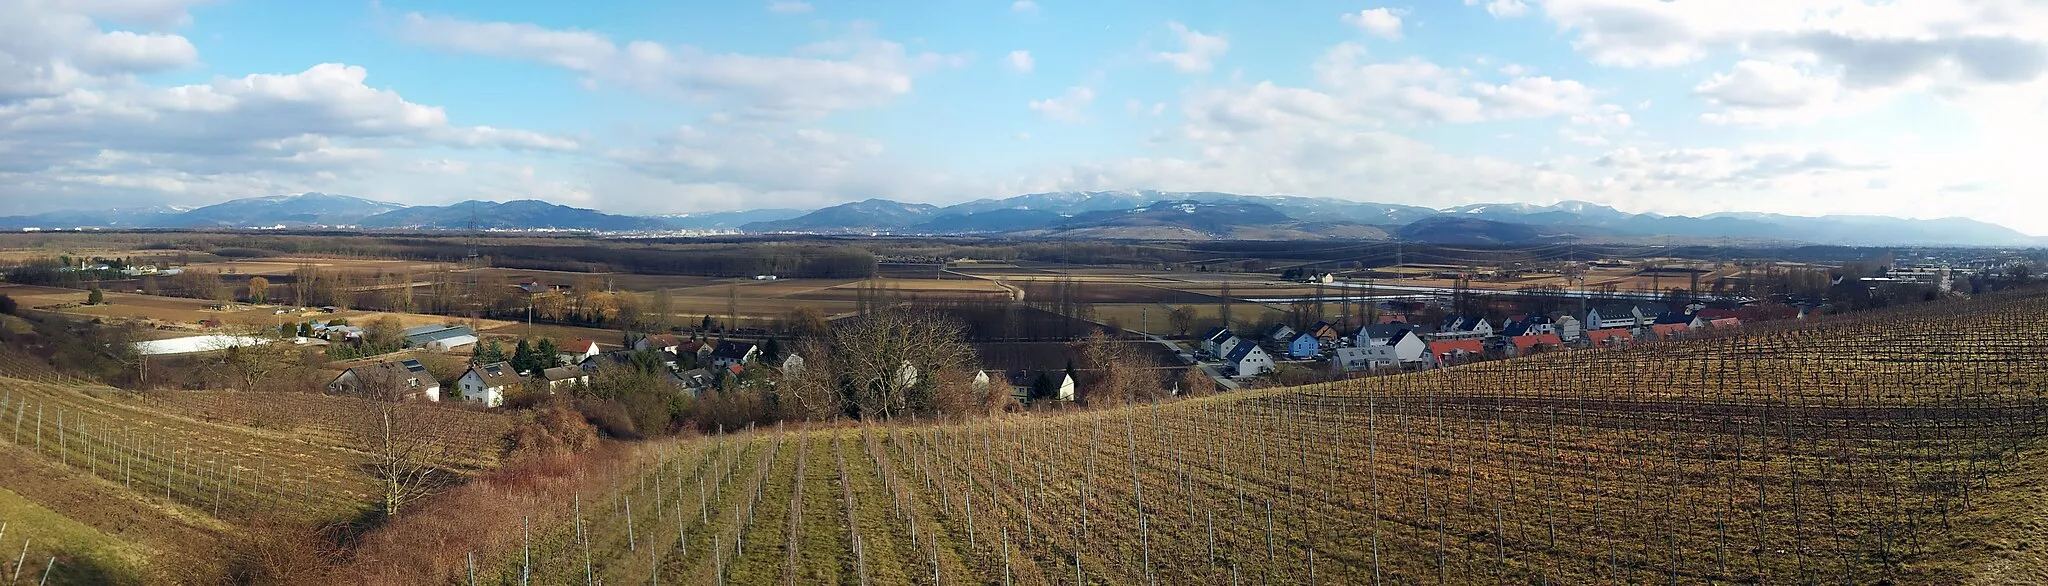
x,y
1402,339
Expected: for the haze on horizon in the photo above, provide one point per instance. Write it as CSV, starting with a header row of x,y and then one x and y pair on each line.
x,y
1910,108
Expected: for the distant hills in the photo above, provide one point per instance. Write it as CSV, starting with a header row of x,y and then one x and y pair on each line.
x,y
1132,215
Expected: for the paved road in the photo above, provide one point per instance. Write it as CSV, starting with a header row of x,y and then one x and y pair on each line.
x,y
1212,370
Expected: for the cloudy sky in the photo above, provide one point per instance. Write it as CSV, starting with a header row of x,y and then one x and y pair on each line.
x,y
1917,108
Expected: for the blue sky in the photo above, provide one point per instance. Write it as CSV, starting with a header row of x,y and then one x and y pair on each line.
x,y
1914,108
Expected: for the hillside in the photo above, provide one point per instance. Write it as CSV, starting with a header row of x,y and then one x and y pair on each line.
x,y
307,209
873,215
1889,447
526,214
1469,231
122,489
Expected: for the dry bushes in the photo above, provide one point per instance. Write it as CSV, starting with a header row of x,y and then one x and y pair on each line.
x,y
551,430
486,516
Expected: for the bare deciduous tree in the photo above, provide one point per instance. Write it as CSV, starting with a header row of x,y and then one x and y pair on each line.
x,y
1112,372
890,363
400,452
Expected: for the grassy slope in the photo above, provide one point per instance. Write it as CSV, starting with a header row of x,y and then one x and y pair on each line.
x,y
85,555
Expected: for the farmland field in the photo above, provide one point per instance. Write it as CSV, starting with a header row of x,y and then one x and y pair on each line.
x,y
1895,446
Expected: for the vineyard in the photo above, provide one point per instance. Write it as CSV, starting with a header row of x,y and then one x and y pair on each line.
x,y
181,472
1886,447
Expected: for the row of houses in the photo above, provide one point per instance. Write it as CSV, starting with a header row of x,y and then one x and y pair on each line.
x,y
578,360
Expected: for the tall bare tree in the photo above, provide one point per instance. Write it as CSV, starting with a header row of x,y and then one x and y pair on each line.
x,y
401,452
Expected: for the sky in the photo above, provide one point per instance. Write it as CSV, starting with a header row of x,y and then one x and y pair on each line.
x,y
1911,108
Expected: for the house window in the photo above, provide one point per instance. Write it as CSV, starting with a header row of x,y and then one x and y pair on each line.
x,y
414,382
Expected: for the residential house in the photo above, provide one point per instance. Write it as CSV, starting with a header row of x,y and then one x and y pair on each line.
x,y
663,342
1324,333
1230,344
1464,327
1569,329
1603,338
1214,338
1726,322
697,348
1673,317
1453,352
697,380
1280,333
1378,334
577,350
1622,315
1524,325
564,376
485,383
1064,387
440,338
1670,331
1527,344
1304,346
405,378
1247,359
731,353
1404,348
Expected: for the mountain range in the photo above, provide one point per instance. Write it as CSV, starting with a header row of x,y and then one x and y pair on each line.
x,y
1133,215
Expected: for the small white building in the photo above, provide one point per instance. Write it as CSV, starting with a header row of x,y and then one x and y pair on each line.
x,y
1404,349
577,350
564,376
1247,359
486,383
1569,329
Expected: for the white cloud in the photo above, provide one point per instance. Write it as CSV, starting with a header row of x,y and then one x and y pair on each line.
x,y
83,129
714,166
851,72
1020,61
1418,90
1378,22
1023,6
1070,107
1503,8
47,49
789,7
1198,53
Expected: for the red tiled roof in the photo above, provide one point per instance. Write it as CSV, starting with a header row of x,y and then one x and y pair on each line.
x,y
579,346
663,340
690,345
1524,343
1442,347
1726,322
1602,336
1664,330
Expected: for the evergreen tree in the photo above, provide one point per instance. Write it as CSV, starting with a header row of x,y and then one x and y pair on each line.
x,y
95,297
488,353
771,351
306,329
523,358
546,355
1042,387
286,330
